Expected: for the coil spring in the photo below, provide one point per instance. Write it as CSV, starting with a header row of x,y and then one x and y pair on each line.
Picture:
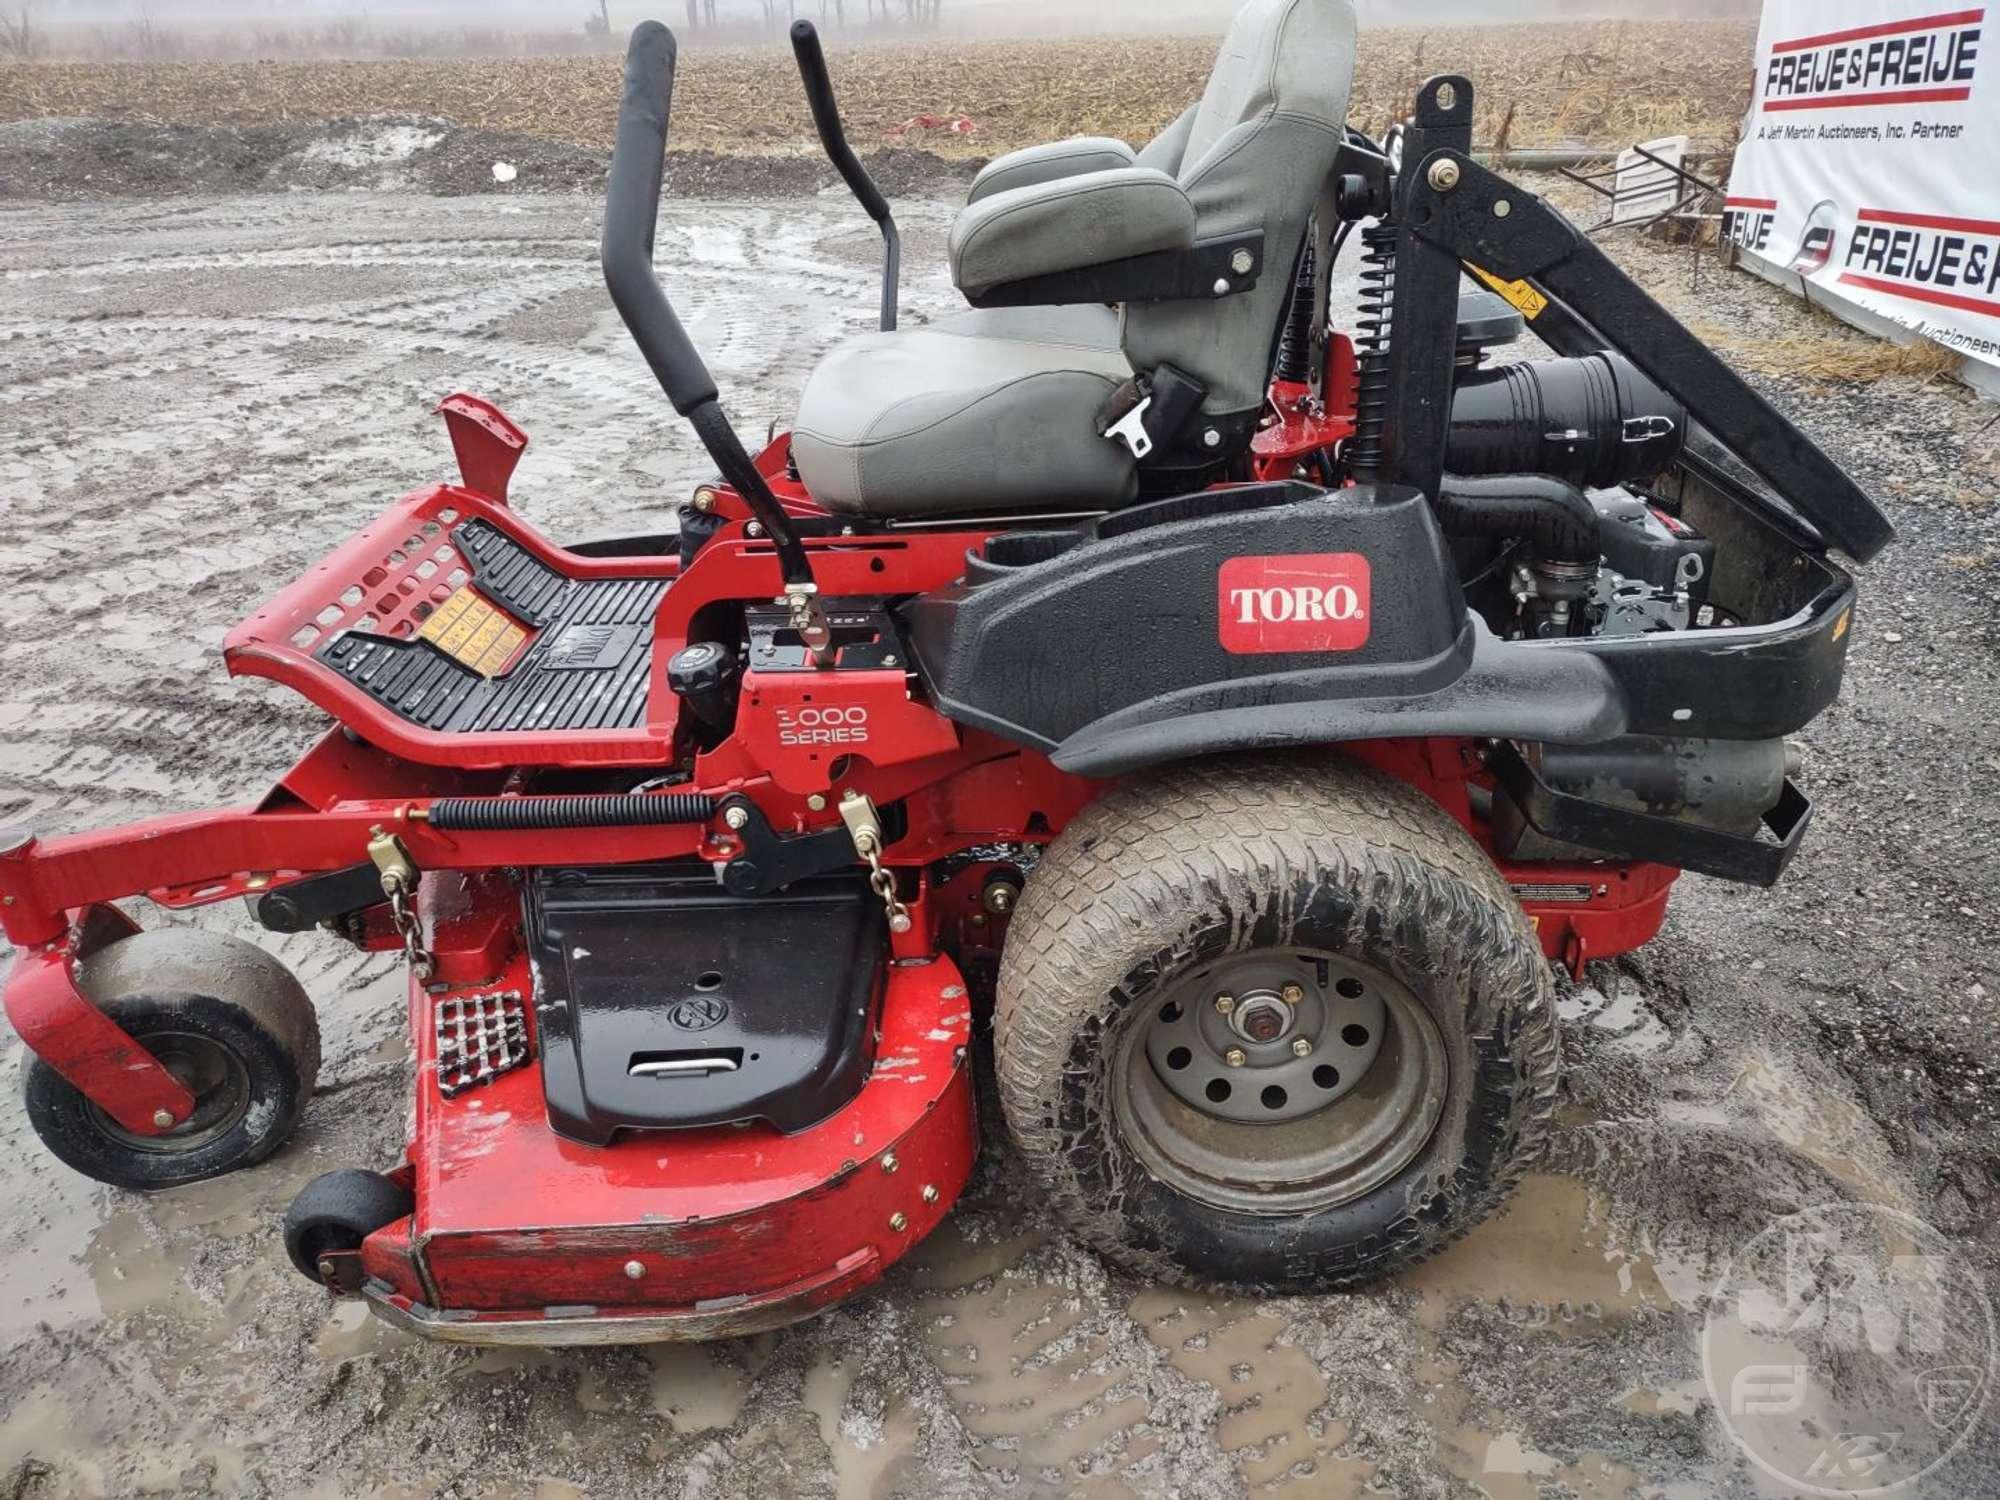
x,y
1294,362
1371,346
472,814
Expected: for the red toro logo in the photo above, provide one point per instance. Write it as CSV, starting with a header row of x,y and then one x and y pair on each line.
x,y
1309,601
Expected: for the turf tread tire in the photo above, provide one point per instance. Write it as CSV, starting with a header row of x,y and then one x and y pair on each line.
x,y
1131,875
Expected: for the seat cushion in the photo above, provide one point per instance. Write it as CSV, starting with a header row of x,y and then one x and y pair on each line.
x,y
1046,163
984,411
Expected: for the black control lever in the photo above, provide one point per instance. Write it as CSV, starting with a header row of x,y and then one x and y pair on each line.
x,y
826,119
631,206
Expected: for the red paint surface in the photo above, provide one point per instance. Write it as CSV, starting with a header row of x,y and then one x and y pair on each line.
x,y
512,1218
487,444
64,1028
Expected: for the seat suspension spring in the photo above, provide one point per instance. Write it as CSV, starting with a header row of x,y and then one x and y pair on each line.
x,y
1295,340
1371,341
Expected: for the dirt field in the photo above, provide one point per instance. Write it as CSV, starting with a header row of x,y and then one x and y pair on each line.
x,y
1597,82
198,395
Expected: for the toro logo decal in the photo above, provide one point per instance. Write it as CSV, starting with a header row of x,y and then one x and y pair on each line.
x,y
1308,601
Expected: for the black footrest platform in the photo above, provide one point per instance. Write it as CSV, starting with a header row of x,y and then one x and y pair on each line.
x,y
663,1001
520,647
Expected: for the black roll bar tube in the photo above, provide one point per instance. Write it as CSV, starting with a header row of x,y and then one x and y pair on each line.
x,y
826,119
631,207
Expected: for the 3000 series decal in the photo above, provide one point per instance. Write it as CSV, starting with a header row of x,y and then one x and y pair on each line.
x,y
834,724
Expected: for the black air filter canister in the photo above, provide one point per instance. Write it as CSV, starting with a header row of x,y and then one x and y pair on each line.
x,y
1593,421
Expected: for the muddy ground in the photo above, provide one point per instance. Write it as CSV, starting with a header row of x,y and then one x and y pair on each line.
x,y
199,395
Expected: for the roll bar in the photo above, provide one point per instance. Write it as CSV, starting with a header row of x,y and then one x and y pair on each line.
x,y
826,120
631,208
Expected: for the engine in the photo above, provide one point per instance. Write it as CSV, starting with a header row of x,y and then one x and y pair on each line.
x,y
1546,498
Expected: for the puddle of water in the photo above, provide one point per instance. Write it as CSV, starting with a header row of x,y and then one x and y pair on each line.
x,y
1504,1466
49,1446
42,1245
1547,1258
1678,1399
870,1457
1829,1130
351,1331
693,1389
1035,1383
1623,1016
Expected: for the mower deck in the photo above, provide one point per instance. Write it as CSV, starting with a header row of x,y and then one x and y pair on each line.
x,y
528,1237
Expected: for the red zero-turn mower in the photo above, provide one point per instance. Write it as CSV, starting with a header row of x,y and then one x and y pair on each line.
x,y
1243,714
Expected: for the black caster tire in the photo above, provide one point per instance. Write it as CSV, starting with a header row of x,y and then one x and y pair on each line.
x,y
337,1211
225,1018
1274,1023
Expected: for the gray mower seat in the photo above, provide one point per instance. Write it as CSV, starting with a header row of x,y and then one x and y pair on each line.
x,y
996,410
993,409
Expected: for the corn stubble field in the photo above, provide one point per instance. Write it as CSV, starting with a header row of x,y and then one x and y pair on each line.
x,y
1599,83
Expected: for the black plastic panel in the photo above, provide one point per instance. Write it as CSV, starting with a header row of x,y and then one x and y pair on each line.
x,y
508,573
1626,833
588,667
1105,654
663,1001
1124,627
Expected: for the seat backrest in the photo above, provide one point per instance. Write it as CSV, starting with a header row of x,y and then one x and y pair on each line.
x,y
1252,154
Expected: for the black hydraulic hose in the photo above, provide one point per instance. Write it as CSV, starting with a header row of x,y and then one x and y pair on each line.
x,y
619,810
826,120
1555,519
631,207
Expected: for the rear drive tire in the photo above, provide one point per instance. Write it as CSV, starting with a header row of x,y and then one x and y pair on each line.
x,y
1276,1023
222,1015
337,1211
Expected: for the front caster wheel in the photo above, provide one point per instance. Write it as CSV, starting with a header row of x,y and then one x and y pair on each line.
x,y
335,1212
226,1019
1277,1023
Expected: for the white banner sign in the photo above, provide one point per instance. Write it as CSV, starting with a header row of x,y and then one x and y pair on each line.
x,y
1870,165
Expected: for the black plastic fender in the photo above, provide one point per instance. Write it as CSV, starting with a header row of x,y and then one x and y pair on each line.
x,y
1107,652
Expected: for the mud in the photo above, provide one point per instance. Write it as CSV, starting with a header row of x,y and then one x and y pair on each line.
x,y
198,395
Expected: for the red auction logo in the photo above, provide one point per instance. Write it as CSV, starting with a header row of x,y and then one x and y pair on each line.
x,y
1926,60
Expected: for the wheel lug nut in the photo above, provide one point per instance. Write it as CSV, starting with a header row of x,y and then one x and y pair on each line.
x,y
1234,1057
1301,1047
1224,1004
1293,993
163,1119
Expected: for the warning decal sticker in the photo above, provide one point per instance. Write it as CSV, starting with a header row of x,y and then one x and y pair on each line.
x,y
474,632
